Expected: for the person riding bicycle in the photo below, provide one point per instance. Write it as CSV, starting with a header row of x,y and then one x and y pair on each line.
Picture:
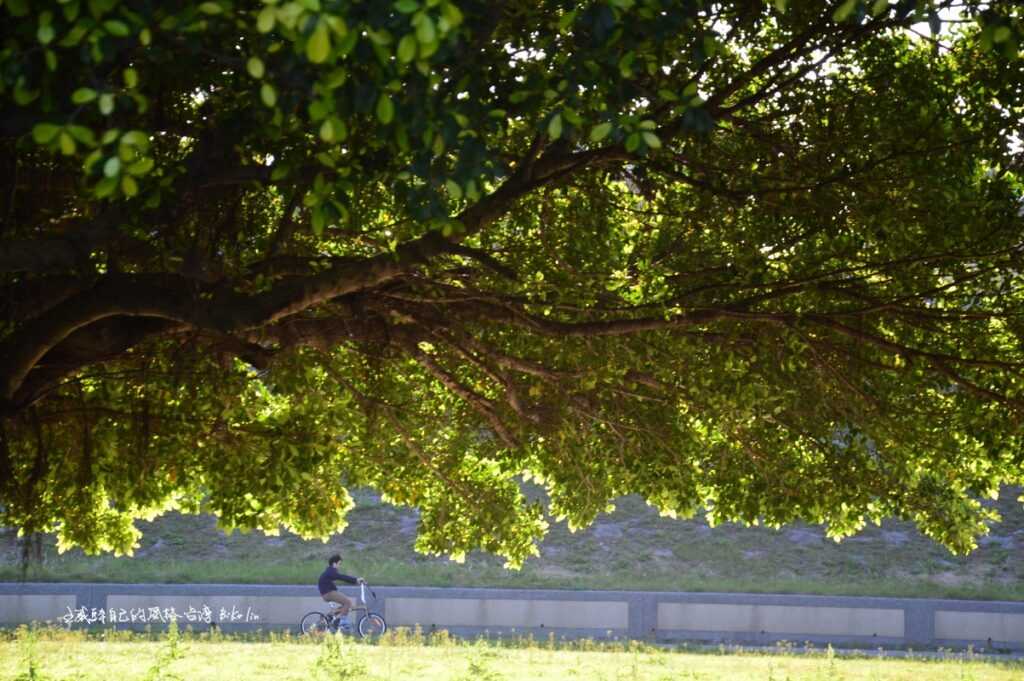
x,y
329,592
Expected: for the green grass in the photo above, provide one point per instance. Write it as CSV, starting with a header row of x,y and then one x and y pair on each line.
x,y
55,655
632,548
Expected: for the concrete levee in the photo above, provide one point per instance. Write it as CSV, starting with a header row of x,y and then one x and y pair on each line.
x,y
661,616
267,610
998,628
487,613
22,608
806,620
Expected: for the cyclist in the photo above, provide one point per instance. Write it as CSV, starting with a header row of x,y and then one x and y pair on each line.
x,y
329,592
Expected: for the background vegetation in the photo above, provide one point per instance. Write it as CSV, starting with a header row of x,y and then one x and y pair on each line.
x,y
632,548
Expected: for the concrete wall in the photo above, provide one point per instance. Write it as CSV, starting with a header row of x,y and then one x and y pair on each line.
x,y
979,626
664,616
18,608
782,619
509,613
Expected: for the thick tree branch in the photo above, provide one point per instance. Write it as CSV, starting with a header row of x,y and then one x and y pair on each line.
x,y
227,311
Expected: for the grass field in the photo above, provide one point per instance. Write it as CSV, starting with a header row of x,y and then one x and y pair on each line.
x,y
46,656
632,548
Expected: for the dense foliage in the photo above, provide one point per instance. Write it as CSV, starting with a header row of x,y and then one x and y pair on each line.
x,y
762,259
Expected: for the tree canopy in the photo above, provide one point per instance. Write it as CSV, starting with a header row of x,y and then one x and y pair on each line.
x,y
760,260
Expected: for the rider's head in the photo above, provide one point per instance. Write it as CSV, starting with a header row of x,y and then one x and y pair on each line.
x,y
334,560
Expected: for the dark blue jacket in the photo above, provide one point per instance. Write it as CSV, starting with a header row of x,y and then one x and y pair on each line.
x,y
326,583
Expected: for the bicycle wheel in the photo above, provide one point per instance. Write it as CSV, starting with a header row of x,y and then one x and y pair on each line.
x,y
372,625
313,623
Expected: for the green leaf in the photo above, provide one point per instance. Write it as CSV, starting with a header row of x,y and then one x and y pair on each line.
x,y
425,31
67,143
407,6
22,95
116,27
555,126
337,24
844,10
336,78
566,20
112,167
75,35
318,110
651,139
129,186
340,129
571,116
381,38
135,138
266,18
45,34
407,48
91,160
327,131
780,5
319,45
255,67
318,220
600,131
131,78
268,94
83,95
105,187
385,109
452,14
83,134
44,133
106,104
141,167
454,190
210,8
626,64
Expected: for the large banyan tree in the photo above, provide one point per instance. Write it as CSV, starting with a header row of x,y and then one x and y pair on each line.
x,y
759,260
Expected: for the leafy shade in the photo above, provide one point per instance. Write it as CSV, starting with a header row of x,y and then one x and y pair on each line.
x,y
763,259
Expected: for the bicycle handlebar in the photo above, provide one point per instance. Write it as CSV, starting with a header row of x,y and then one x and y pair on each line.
x,y
363,586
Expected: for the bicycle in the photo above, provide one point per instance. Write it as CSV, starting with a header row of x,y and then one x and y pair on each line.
x,y
371,624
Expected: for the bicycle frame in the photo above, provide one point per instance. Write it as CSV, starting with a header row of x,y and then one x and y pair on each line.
x,y
361,604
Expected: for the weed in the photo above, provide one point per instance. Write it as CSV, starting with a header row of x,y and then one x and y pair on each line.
x,y
339,659
832,672
965,673
170,651
27,638
439,638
